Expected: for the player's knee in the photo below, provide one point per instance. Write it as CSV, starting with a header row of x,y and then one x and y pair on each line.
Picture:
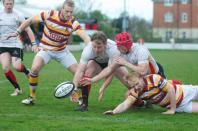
x,y
35,69
73,68
17,67
5,68
88,73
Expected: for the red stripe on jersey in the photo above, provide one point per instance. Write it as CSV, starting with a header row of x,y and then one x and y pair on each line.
x,y
145,84
59,41
161,82
151,80
60,23
49,37
152,68
45,43
53,31
180,100
161,98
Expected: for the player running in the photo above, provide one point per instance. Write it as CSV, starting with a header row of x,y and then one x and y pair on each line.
x,y
11,51
58,27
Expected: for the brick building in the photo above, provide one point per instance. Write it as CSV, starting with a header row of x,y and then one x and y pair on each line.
x,y
176,19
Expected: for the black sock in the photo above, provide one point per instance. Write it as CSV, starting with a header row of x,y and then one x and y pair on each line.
x,y
85,95
25,70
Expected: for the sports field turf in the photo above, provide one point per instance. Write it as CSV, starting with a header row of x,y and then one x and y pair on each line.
x,y
50,113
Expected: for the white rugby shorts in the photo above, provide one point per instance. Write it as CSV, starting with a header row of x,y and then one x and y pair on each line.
x,y
64,57
190,93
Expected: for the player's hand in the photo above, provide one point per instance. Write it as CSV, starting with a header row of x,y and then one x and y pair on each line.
x,y
35,48
85,81
169,112
110,112
101,94
120,61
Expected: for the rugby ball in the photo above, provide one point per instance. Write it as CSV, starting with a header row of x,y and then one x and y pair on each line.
x,y
64,89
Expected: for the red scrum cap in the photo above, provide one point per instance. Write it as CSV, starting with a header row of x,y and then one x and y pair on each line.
x,y
124,39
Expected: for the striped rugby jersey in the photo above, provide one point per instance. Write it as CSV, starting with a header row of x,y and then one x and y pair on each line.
x,y
156,89
56,32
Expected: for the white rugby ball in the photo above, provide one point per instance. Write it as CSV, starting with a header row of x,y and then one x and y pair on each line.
x,y
64,89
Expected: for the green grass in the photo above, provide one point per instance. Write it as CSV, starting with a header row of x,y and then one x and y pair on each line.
x,y
50,113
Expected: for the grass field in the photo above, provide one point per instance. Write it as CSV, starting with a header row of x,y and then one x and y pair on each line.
x,y
50,113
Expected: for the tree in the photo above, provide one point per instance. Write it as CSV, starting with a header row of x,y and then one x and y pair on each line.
x,y
85,6
140,28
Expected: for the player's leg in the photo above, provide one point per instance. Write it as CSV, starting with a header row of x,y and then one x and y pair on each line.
x,y
6,62
17,57
39,61
195,97
194,106
190,94
73,68
67,59
92,69
120,73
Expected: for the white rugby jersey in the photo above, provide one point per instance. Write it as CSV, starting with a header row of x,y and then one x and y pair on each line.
x,y
139,55
9,22
109,53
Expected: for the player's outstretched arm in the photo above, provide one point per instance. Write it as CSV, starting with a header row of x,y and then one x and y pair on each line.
x,y
122,107
79,74
172,96
104,87
32,39
85,37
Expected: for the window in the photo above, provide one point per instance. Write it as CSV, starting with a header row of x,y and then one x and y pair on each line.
x,y
168,17
184,17
168,35
197,18
168,2
184,35
184,1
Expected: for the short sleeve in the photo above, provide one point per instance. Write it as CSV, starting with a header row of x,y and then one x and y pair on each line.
x,y
41,17
143,55
86,55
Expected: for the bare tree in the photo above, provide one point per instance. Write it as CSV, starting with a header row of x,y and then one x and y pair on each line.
x,y
85,5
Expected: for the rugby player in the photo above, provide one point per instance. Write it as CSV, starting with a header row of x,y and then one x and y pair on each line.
x,y
95,57
58,27
11,51
157,90
133,56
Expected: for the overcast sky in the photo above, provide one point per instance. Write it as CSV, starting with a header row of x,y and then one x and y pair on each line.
x,y
141,8
112,8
